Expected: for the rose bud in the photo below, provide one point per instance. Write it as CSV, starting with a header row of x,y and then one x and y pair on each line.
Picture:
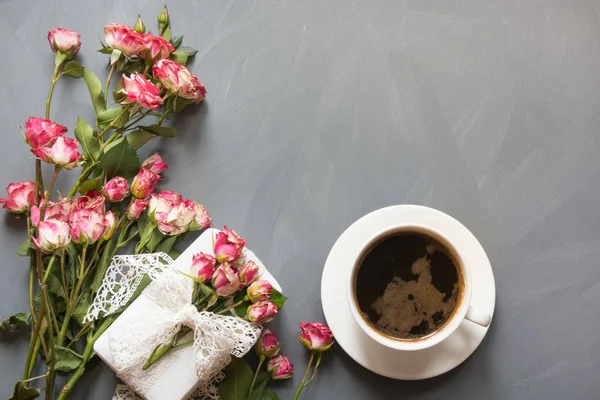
x,y
52,236
155,164
259,291
267,345
156,47
62,152
225,280
40,132
249,272
163,18
262,312
139,26
228,245
316,336
144,183
141,91
110,224
20,196
136,207
65,41
201,219
280,367
123,38
87,226
116,189
203,266
177,79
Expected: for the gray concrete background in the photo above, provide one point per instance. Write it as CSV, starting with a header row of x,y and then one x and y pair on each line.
x,y
319,112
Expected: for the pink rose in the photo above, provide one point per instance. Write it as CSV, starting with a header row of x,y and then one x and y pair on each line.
x,y
116,189
136,207
262,312
125,39
40,132
177,219
144,183
54,211
63,40
87,226
203,266
280,367
91,201
259,291
267,345
156,47
52,236
155,164
20,196
225,280
177,79
110,224
62,152
228,245
141,91
316,336
201,218
249,272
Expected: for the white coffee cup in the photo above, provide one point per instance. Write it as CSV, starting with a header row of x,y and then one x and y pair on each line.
x,y
463,309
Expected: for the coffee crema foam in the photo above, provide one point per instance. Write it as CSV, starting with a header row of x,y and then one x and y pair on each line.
x,y
411,309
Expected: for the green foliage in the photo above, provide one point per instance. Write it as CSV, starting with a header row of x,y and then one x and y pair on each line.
x,y
95,88
91,184
14,322
85,135
22,392
113,116
73,69
81,309
55,286
138,138
66,359
238,380
176,41
277,298
23,250
159,130
120,158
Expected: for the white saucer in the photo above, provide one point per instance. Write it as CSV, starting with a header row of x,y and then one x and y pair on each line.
x,y
406,365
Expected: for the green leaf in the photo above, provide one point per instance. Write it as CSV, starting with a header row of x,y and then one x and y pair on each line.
x,y
257,393
114,115
102,267
154,240
91,184
73,69
277,298
176,41
166,245
268,394
174,254
133,68
24,248
95,88
120,158
138,138
22,392
159,130
14,322
241,310
115,55
238,380
82,307
85,134
187,50
179,57
206,290
180,103
55,286
66,359
167,34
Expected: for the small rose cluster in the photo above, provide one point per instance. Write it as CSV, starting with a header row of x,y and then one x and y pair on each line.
x,y
48,143
153,50
229,274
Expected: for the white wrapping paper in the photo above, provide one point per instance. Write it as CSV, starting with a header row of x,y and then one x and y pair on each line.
x,y
179,379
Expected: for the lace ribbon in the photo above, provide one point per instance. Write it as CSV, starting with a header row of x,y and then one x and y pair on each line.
x,y
215,337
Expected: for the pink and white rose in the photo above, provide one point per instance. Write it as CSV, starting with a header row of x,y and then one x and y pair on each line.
x,y
91,201
110,224
136,208
65,41
52,236
249,272
225,280
87,226
41,132
144,183
178,79
259,291
203,267
267,344
316,336
156,47
201,219
62,152
123,38
262,312
228,245
280,367
141,91
21,196
116,189
155,164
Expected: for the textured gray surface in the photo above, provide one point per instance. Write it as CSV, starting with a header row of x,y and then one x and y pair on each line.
x,y
321,111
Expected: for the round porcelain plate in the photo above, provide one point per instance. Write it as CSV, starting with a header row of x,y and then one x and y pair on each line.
x,y
407,365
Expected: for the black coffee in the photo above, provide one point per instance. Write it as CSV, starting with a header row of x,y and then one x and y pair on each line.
x,y
407,285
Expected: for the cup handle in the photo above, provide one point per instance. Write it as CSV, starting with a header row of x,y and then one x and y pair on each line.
x,y
478,317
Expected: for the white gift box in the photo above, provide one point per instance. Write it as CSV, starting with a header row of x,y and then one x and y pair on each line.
x,y
179,379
